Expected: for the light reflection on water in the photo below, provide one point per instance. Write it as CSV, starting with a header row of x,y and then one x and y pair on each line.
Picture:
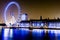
x,y
37,34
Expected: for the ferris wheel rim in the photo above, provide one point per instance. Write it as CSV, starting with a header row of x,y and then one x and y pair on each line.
x,y
5,11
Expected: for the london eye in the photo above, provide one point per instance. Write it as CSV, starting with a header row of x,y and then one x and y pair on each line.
x,y
12,20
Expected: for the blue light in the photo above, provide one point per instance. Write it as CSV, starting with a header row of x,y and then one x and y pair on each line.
x,y
11,33
38,24
7,31
38,34
24,24
23,17
34,24
5,34
5,11
42,24
54,25
54,33
51,25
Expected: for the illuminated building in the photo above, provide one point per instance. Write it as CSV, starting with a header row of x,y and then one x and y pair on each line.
x,y
23,24
24,16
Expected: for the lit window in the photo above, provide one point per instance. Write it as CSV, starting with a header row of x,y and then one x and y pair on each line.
x,y
24,24
38,24
42,24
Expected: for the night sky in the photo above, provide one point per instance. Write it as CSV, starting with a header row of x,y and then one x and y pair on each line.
x,y
34,8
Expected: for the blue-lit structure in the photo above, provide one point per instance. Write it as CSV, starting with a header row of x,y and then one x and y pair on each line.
x,y
30,33
5,11
9,32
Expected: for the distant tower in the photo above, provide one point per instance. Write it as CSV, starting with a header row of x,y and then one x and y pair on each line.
x,y
24,17
40,17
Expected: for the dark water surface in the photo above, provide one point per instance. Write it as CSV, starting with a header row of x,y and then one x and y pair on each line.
x,y
20,34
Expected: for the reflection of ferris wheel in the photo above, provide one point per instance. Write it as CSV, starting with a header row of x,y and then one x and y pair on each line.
x,y
5,12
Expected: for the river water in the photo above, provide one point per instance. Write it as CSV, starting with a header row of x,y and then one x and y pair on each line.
x,y
26,34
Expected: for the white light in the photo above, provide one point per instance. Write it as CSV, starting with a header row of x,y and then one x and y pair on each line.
x,y
42,24
33,24
11,33
6,32
5,11
51,25
57,32
13,21
25,29
52,31
24,24
23,17
38,24
37,30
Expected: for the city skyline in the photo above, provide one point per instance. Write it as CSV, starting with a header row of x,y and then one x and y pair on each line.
x,y
34,9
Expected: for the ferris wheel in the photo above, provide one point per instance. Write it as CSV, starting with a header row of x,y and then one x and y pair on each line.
x,y
13,19
9,32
